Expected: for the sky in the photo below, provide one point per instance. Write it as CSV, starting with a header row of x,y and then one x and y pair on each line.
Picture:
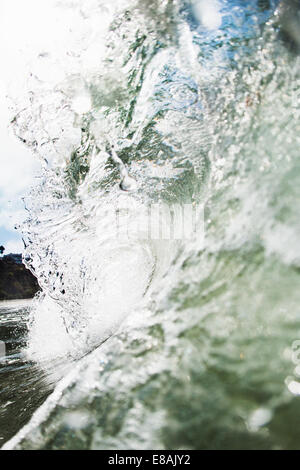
x,y
17,171
18,166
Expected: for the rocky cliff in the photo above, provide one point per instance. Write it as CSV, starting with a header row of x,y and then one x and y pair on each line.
x,y
16,281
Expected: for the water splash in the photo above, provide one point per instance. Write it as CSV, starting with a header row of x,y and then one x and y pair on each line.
x,y
190,344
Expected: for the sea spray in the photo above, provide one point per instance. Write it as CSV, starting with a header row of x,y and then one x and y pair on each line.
x,y
177,344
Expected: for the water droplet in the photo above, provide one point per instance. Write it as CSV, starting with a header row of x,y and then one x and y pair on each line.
x,y
128,184
260,417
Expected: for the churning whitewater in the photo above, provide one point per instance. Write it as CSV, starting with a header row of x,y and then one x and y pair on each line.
x,y
163,344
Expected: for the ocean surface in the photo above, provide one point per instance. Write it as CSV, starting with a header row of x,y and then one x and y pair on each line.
x,y
18,377
160,342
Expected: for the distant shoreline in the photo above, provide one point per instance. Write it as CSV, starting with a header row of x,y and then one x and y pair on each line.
x,y
16,281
